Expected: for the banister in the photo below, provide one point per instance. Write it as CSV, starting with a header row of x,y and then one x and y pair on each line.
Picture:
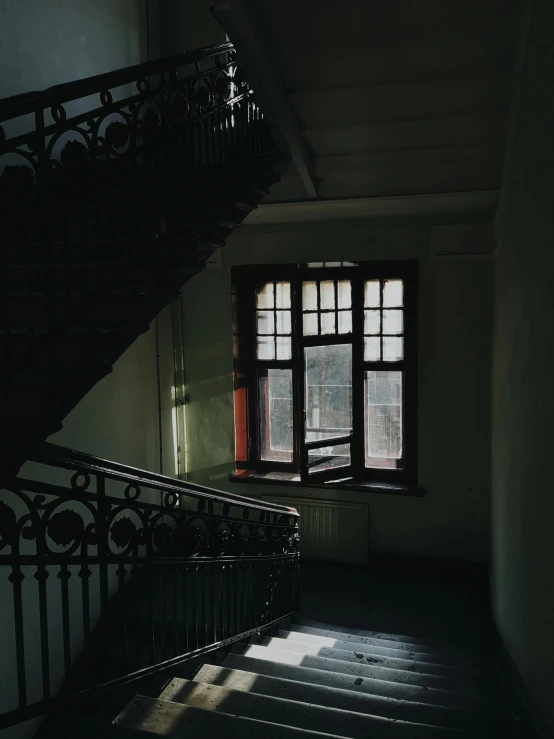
x,y
141,586
29,102
55,455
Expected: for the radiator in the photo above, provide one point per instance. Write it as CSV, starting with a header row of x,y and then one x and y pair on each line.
x,y
336,532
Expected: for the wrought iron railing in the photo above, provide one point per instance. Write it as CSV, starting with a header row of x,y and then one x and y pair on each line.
x,y
197,104
99,182
109,573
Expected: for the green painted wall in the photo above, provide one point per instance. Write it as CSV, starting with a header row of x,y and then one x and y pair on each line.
x,y
523,390
454,389
47,42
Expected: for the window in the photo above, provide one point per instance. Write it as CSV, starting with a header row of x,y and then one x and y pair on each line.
x,y
325,372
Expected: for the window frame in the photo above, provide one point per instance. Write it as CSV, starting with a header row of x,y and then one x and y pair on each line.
x,y
246,368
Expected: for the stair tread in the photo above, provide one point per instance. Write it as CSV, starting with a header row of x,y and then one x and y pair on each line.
x,y
177,720
381,646
280,710
323,675
364,654
349,699
430,643
389,674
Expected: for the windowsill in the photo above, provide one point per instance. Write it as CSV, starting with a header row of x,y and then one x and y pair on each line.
x,y
280,478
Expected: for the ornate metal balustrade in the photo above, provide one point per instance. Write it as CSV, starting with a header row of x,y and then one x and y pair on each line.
x,y
109,573
112,176
194,108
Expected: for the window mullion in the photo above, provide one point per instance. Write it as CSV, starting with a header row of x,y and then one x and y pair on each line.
x,y
357,447
297,372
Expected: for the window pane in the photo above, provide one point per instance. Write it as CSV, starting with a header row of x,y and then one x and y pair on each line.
x,y
393,321
372,349
283,321
265,322
264,296
328,458
266,347
310,324
328,391
393,294
345,322
372,322
309,296
284,347
282,295
372,294
344,293
383,419
276,415
327,295
328,323
393,348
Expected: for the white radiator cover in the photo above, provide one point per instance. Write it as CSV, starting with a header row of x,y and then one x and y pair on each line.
x,y
331,531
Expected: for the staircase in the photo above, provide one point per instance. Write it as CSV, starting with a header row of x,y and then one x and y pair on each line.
x,y
106,214
317,679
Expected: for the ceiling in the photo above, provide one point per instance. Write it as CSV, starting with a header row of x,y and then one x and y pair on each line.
x,y
380,98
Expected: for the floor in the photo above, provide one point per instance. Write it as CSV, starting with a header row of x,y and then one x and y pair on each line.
x,y
397,594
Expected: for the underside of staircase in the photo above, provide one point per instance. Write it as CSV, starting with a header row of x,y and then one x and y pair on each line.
x,y
321,680
120,207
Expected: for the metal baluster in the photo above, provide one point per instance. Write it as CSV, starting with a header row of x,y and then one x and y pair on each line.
x,y
64,575
16,578
163,624
121,572
195,605
84,574
152,625
230,574
184,607
41,575
176,637
205,585
214,599
103,553
238,592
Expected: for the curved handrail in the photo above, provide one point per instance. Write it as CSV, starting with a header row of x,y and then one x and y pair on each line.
x,y
59,456
29,102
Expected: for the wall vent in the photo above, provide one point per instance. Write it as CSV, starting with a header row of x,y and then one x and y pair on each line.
x,y
462,240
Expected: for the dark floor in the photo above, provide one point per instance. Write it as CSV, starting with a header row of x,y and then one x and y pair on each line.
x,y
398,595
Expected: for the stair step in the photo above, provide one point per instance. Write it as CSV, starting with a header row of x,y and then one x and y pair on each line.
x,y
390,674
350,653
279,710
392,649
454,656
482,691
177,720
404,638
324,675
349,700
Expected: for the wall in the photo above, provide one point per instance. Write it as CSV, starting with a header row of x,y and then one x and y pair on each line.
x,y
452,520
47,42
523,392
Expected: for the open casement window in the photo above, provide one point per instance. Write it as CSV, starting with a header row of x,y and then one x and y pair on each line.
x,y
325,372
